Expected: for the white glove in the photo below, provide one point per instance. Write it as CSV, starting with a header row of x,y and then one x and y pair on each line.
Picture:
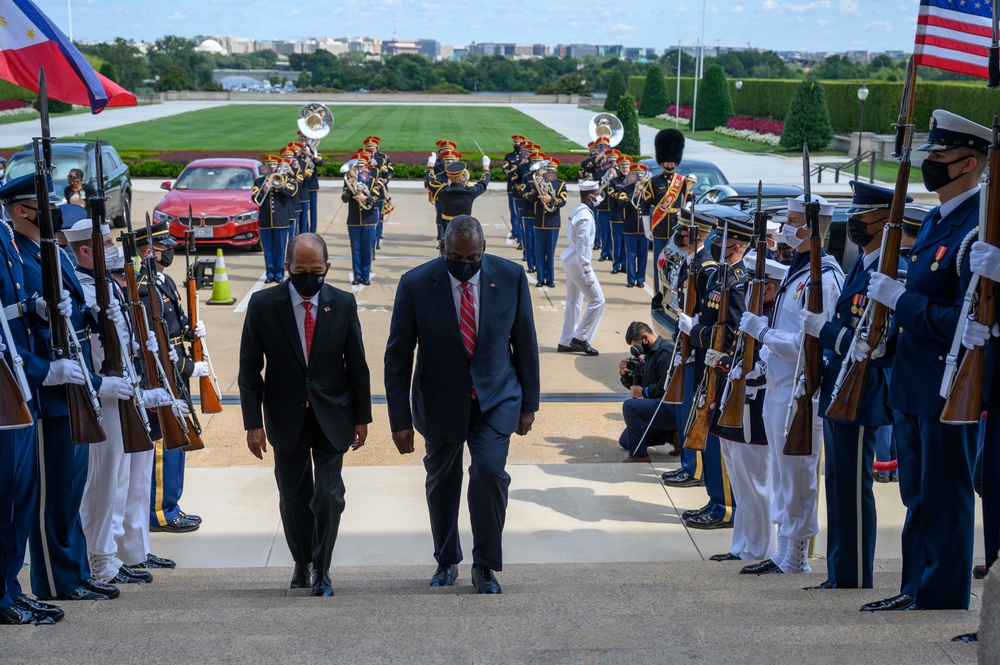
x,y
811,322
712,358
114,312
800,390
976,334
985,260
199,329
737,371
588,278
64,371
3,347
432,160
113,387
678,360
753,325
686,323
156,397
645,227
173,356
180,408
200,369
151,344
861,349
65,306
486,162
885,289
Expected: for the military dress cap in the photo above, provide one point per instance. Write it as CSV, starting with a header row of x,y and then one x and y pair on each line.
x,y
287,150
455,168
701,220
536,156
296,145
913,217
602,140
517,138
82,230
740,223
552,164
870,197
592,145
18,189
669,146
798,204
372,140
451,155
270,159
161,235
640,167
772,269
952,131
589,186
445,144
71,214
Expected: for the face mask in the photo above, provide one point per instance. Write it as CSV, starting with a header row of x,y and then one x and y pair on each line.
x,y
462,271
680,239
669,171
716,252
166,257
598,199
307,284
114,258
857,231
935,174
646,348
788,235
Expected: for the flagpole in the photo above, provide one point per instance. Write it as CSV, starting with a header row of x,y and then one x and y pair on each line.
x,y
69,12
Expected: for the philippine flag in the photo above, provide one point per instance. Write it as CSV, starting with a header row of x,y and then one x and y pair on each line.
x,y
29,41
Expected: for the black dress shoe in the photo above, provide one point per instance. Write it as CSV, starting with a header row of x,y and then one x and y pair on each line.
x,y
300,578
16,616
708,521
614,271
728,556
550,284
826,584
583,347
539,284
153,561
80,593
759,568
968,637
603,258
366,282
562,348
445,575
355,282
630,285
899,602
321,585
176,525
484,580
193,518
687,514
682,479
269,280
37,608
979,572
641,285
128,575
109,590
672,473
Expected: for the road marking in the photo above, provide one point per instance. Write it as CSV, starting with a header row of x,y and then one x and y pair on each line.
x,y
245,302
648,289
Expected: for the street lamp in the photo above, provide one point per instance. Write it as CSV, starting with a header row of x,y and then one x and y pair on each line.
x,y
739,86
862,96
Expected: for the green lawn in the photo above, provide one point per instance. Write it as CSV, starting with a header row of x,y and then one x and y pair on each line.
x,y
267,127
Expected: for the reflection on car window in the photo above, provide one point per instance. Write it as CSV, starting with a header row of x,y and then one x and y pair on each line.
x,y
216,178
62,164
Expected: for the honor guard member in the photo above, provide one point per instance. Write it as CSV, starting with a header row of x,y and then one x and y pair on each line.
x,y
312,182
548,195
630,197
274,215
664,196
850,445
510,162
605,160
294,170
526,183
18,454
109,467
793,477
623,165
59,565
935,459
456,198
689,238
362,218
305,171
165,513
582,287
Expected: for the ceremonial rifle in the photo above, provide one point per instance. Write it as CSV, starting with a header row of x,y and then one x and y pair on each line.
x,y
874,325
84,407
674,393
208,386
14,391
134,423
735,393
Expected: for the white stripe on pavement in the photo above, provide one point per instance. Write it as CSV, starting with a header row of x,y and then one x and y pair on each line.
x,y
245,302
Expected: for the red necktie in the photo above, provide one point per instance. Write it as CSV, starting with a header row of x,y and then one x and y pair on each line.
x,y
310,326
467,319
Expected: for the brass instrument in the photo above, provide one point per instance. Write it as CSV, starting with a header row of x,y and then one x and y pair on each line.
x,y
544,187
640,188
354,184
315,121
275,180
607,125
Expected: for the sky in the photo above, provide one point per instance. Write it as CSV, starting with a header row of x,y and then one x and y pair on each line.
x,y
780,25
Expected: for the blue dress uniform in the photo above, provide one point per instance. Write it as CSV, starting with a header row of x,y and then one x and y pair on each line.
x,y
382,170
304,173
273,221
525,184
633,234
935,460
603,212
362,221
456,197
617,218
546,226
434,179
510,163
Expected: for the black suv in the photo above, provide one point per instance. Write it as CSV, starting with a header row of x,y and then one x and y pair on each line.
x,y
67,155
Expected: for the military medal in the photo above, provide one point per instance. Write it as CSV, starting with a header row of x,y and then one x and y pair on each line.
x,y
938,255
798,290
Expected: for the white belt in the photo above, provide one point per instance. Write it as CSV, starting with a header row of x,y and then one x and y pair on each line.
x,y
14,311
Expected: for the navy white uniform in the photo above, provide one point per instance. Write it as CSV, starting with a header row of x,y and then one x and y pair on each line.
x,y
582,286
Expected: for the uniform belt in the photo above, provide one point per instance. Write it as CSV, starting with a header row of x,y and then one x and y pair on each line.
x,y
14,311
447,218
176,340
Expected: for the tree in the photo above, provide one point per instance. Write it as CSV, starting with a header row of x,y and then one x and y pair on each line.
x,y
715,106
838,67
567,84
616,88
108,72
808,118
174,78
630,124
655,97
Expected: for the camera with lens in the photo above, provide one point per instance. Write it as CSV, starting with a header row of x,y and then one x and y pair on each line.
x,y
635,364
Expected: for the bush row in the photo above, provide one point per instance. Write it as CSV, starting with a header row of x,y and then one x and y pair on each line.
x,y
756,125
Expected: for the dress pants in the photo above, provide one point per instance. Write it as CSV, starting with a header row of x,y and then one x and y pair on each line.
x,y
991,491
528,238
638,414
658,245
274,241
753,532
515,216
850,504
107,482
578,292
378,226
19,447
167,485
720,491
935,484
131,528
794,481
636,256
362,245
603,219
304,217
618,246
487,496
58,549
885,447
311,494
691,460
545,253
313,195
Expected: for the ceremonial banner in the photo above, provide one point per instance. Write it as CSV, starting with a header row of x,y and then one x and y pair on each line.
x,y
29,40
954,35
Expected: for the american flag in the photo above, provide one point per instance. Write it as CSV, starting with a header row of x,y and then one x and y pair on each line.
x,y
954,35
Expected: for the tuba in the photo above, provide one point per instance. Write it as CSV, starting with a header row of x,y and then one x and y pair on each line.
x,y
607,125
315,121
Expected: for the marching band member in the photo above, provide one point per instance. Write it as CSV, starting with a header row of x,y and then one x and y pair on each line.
x,y
362,218
382,170
274,217
664,195
434,177
510,163
456,197
582,286
548,194
525,183
312,182
617,217
295,175
307,170
630,196
605,159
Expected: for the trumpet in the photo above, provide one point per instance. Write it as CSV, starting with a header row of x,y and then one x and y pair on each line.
x,y
640,188
277,179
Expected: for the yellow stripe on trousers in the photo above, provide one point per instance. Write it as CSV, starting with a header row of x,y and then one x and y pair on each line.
x,y
161,519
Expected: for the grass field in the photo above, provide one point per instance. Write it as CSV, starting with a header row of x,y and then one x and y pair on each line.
x,y
267,127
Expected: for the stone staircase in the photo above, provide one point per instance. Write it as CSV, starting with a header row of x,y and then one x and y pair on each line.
x,y
677,612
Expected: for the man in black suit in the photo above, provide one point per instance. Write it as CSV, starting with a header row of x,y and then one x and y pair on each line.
x,y
469,317
315,396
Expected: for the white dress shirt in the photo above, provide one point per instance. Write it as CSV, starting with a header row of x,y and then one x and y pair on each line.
x,y
300,315
456,291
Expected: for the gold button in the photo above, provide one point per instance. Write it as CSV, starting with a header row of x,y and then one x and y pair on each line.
x,y
940,358
900,330
913,258
17,286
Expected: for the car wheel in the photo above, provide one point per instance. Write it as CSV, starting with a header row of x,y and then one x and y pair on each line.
x,y
120,221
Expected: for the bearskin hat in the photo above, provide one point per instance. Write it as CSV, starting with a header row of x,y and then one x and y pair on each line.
x,y
669,145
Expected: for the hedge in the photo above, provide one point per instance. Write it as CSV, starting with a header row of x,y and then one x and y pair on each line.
x,y
10,91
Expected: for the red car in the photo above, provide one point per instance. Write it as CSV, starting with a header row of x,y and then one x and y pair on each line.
x,y
217,192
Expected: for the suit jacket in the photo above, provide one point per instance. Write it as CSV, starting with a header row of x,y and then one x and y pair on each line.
x,y
503,368
335,380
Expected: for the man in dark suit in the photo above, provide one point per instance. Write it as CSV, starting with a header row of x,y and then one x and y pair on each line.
x,y
316,400
469,316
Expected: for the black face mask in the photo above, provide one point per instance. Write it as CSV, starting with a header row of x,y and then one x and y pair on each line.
x,y
166,257
935,174
716,252
307,284
667,171
462,271
681,239
57,219
857,231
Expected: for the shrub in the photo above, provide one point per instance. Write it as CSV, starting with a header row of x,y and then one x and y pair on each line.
x,y
630,122
716,105
154,168
11,104
756,125
616,87
108,72
56,106
654,95
447,89
174,78
808,118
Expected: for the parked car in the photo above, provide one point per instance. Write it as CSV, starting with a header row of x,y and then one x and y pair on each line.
x,y
68,155
708,174
218,194
744,197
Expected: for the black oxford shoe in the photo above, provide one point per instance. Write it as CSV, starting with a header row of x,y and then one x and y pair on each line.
x,y
728,556
153,561
128,575
682,479
759,568
826,584
583,347
300,577
80,593
445,575
176,525
688,514
321,585
484,580
968,637
562,348
37,608
109,590
191,518
979,572
16,616
707,521
900,602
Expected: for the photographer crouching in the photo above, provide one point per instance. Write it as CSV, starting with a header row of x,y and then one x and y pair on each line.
x,y
645,374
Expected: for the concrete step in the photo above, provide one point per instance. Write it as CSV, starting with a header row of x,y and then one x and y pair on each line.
x,y
671,612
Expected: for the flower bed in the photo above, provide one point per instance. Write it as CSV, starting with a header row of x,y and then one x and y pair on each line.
x,y
749,135
756,125
683,111
683,122
24,110
12,104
